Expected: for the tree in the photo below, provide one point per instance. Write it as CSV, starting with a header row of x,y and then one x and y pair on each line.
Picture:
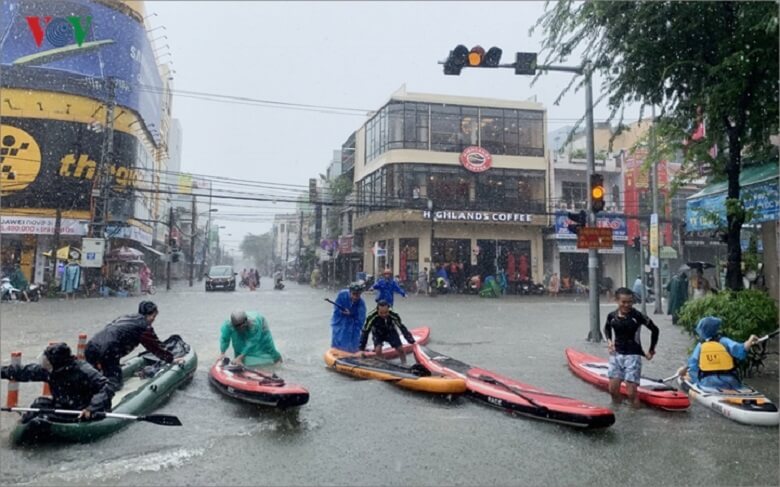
x,y
258,248
697,61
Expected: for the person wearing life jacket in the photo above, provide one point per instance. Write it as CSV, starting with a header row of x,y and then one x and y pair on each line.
x,y
75,384
713,362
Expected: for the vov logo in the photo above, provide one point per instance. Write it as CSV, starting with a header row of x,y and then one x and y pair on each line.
x,y
59,31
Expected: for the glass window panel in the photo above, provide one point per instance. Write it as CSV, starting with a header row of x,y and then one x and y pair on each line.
x,y
492,130
511,133
445,127
469,127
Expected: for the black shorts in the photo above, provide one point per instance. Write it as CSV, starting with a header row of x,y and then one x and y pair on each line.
x,y
390,336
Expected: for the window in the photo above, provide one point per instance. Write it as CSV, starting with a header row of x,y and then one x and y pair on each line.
x,y
395,121
492,130
445,128
574,194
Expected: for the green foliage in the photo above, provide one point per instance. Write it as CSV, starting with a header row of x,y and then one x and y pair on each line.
x,y
744,313
715,62
751,258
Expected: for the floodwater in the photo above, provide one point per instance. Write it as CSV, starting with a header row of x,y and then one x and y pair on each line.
x,y
362,432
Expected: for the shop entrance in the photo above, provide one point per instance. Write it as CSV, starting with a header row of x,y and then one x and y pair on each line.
x,y
574,265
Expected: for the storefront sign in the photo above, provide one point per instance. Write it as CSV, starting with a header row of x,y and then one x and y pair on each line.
x,y
606,220
478,216
74,46
345,244
476,159
763,201
594,238
571,248
129,232
654,241
37,225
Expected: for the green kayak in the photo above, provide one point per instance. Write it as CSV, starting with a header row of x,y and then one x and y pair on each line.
x,y
148,382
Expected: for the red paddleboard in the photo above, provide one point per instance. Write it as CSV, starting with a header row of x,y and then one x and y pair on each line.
x,y
256,387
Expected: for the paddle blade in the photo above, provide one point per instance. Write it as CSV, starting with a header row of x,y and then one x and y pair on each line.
x,y
161,419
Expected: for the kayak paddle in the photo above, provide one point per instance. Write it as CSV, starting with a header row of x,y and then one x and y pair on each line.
x,y
161,419
762,339
336,304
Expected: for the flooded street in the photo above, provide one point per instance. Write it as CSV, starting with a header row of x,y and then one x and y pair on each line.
x,y
355,432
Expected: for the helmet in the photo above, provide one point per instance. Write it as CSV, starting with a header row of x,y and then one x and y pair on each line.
x,y
147,308
355,288
58,355
238,318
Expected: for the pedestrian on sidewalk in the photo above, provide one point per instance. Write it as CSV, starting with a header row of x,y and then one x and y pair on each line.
x,y
555,285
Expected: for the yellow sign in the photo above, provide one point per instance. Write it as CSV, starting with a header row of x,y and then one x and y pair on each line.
x,y
20,159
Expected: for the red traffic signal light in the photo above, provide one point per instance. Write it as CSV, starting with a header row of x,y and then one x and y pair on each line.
x,y
456,60
596,193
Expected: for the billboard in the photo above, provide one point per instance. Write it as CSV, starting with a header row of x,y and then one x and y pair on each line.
x,y
614,221
53,164
74,46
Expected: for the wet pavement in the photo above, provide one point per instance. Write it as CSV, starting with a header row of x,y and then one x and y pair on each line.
x,y
355,432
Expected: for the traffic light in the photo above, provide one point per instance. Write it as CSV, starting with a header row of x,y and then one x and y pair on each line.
x,y
525,63
580,220
596,193
456,60
461,57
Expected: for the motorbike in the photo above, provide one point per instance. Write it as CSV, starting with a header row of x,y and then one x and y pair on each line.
x,y
8,292
149,289
279,285
35,292
528,287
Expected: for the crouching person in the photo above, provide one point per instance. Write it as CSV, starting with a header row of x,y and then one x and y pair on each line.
x,y
74,384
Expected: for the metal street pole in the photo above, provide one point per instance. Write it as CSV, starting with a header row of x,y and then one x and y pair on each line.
x,y
170,249
194,232
593,254
586,69
657,269
643,293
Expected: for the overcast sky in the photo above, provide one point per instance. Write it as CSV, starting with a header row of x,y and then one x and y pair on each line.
x,y
346,54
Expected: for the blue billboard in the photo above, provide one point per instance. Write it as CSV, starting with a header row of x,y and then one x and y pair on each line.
x,y
615,221
74,46
709,212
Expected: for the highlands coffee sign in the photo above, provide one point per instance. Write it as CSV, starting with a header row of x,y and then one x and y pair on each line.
x,y
478,216
476,159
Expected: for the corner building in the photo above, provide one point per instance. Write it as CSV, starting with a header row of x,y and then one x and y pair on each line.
x,y
448,179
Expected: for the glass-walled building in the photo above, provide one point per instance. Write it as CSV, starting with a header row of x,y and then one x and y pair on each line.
x,y
455,181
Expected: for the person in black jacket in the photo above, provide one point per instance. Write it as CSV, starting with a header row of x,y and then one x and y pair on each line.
x,y
74,384
383,323
120,337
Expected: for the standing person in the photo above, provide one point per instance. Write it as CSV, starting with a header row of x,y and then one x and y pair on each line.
x,y
251,339
120,337
638,288
700,286
713,361
625,351
349,313
71,279
19,281
387,287
678,294
555,285
74,384
145,275
243,277
383,323
422,281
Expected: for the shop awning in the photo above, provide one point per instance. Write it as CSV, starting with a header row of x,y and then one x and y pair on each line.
x,y
152,250
758,191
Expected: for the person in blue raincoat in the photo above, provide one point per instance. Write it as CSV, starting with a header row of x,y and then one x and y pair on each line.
x,y
349,313
387,288
713,361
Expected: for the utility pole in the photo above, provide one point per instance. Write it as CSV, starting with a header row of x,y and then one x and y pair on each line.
x,y
107,156
207,240
643,293
593,254
194,232
170,249
655,229
57,229
300,245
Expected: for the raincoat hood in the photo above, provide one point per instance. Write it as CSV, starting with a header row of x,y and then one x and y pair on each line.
x,y
708,327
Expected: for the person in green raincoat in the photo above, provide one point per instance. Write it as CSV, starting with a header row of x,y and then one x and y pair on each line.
x,y
251,339
678,294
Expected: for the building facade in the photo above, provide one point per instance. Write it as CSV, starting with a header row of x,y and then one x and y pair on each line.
x,y
446,180
55,130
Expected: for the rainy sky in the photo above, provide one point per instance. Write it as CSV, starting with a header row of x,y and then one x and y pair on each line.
x,y
343,54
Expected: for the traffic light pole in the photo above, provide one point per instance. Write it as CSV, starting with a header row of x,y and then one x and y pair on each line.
x,y
594,335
